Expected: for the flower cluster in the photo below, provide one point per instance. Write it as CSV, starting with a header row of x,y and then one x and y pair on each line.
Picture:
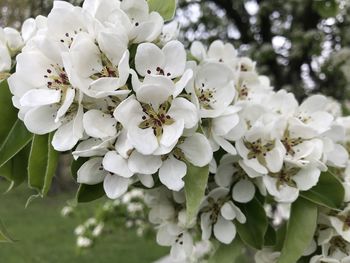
x,y
129,211
113,84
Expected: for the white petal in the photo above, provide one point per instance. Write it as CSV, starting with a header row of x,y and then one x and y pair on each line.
x,y
164,238
68,100
68,135
274,158
339,227
172,172
284,193
104,87
115,186
89,148
98,124
116,164
339,156
228,211
148,31
307,178
224,175
155,90
181,250
255,165
40,97
175,59
183,82
224,231
197,150
85,55
148,58
113,44
123,145
225,144
243,191
206,226
5,58
250,172
171,133
144,164
91,172
41,120
183,109
143,140
129,109
146,180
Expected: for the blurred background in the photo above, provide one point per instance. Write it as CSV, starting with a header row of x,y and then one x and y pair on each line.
x,y
302,45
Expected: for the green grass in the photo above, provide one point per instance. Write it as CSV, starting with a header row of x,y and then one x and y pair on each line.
x,y
45,237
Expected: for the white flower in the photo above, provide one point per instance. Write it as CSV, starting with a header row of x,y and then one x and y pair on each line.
x,y
13,39
230,173
170,61
285,184
84,242
253,89
11,43
311,114
146,26
170,32
46,98
31,26
97,74
213,89
334,248
155,119
98,230
341,224
261,148
217,52
179,239
195,149
216,215
224,129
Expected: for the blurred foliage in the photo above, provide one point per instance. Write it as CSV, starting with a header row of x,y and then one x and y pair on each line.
x,y
299,44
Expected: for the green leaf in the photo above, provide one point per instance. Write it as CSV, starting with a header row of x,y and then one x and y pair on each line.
x,y
195,183
328,183
15,170
166,8
300,230
270,237
6,120
4,235
253,231
17,138
228,253
88,193
280,237
43,161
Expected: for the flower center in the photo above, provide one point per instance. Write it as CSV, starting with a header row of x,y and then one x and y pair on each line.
x,y
338,243
108,69
285,177
289,143
156,119
57,79
243,91
258,150
205,96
